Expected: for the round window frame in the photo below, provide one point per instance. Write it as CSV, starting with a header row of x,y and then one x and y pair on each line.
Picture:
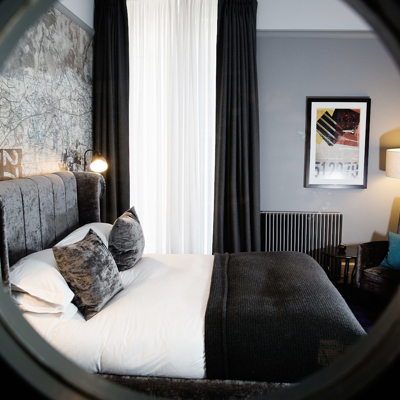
x,y
40,369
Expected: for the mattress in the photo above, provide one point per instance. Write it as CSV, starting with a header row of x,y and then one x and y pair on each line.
x,y
154,327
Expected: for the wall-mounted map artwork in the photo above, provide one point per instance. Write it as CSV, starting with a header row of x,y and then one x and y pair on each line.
x,y
337,132
46,99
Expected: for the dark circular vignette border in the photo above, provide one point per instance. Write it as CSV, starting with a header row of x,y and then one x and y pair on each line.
x,y
30,366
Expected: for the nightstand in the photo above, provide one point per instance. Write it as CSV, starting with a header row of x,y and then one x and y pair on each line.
x,y
335,258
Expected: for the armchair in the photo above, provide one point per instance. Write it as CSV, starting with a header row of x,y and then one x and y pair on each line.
x,y
370,276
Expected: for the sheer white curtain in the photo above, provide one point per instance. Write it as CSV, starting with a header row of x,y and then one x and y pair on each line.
x,y
172,121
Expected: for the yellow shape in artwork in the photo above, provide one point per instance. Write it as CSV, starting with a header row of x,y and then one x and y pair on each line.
x,y
320,113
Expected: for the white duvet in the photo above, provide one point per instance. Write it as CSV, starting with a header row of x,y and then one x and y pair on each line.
x,y
154,327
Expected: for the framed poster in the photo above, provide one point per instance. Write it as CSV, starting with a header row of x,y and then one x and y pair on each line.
x,y
337,136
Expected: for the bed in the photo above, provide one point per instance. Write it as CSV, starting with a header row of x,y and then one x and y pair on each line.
x,y
269,318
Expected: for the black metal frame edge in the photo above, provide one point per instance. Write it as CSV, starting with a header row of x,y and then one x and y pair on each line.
x,y
31,366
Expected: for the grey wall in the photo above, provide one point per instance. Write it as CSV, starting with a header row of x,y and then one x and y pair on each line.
x,y
294,65
307,14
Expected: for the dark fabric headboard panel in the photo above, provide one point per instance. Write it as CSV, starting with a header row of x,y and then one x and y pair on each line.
x,y
90,190
37,212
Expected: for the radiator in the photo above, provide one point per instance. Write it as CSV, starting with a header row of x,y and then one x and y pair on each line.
x,y
306,232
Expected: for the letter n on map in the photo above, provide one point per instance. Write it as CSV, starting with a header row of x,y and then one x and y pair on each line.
x,y
10,163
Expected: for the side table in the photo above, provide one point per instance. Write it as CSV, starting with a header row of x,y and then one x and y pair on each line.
x,y
335,258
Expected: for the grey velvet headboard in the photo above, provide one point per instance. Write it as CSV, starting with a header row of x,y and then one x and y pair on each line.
x,y
37,212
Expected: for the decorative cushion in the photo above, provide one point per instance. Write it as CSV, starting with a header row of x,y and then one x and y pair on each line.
x,y
392,259
91,272
37,274
126,241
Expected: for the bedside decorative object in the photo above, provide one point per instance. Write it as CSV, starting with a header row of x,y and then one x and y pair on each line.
x,y
335,257
337,135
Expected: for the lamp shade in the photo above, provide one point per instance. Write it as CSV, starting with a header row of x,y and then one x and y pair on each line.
x,y
98,163
393,163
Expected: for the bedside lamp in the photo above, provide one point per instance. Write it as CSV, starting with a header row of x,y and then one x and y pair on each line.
x,y
393,168
393,163
98,163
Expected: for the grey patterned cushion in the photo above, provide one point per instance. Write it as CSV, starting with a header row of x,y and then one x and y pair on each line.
x,y
91,272
126,241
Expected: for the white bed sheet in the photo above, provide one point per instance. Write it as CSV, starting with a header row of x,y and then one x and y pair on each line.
x,y
154,327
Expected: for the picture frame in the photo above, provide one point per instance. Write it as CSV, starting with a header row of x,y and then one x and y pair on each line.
x,y
336,142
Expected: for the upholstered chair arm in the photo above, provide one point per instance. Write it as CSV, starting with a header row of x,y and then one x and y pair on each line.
x,y
370,255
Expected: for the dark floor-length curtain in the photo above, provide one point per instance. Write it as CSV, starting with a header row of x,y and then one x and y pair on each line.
x,y
111,102
237,163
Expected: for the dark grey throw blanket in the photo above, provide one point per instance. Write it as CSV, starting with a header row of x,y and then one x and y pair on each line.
x,y
274,317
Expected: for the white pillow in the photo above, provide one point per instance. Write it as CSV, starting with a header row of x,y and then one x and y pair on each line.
x,y
71,310
27,302
38,275
101,228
